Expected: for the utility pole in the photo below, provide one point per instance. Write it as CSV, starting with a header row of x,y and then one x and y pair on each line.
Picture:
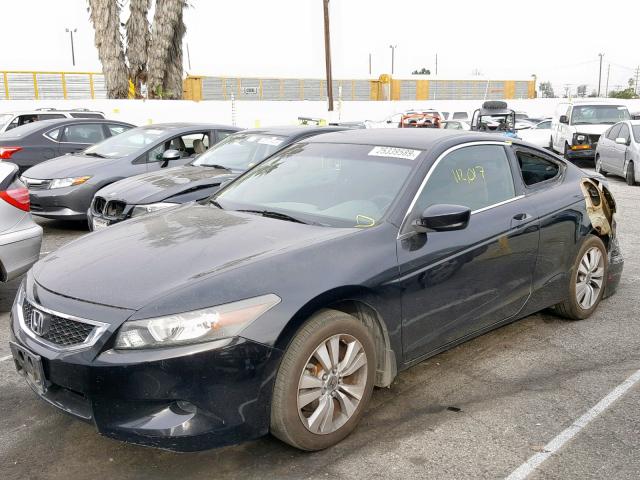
x,y
606,89
600,73
436,64
635,90
369,64
327,54
393,51
73,53
188,57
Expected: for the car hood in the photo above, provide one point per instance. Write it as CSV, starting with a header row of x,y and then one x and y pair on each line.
x,y
131,264
591,129
69,166
160,185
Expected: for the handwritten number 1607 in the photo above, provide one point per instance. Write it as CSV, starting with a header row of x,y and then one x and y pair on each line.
x,y
471,175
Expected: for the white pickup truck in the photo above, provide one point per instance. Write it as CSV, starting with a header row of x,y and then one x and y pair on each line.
x,y
577,126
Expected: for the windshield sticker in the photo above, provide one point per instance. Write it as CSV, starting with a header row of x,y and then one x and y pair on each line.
x,y
273,141
405,153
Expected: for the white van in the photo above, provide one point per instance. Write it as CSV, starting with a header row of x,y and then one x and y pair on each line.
x,y
577,125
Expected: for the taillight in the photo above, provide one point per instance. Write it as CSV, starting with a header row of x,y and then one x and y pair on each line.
x,y
18,197
6,152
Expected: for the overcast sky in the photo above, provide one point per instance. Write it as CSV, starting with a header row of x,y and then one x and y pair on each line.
x,y
556,40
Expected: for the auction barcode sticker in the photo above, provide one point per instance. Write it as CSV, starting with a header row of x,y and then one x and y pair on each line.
x,y
406,153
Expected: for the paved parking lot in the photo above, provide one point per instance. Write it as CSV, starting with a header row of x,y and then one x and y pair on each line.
x,y
478,411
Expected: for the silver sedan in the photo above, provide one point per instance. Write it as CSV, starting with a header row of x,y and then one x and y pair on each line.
x,y
618,151
20,236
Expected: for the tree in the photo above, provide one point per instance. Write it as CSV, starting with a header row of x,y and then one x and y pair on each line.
x,y
422,71
581,91
623,93
153,52
546,90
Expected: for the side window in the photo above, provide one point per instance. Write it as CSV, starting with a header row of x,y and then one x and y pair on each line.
x,y
49,116
624,132
89,133
193,143
116,129
155,154
13,124
446,115
53,134
536,169
613,132
24,119
546,125
476,177
222,134
460,116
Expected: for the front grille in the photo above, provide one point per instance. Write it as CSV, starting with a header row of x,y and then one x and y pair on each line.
x,y
57,330
114,209
593,139
35,184
98,205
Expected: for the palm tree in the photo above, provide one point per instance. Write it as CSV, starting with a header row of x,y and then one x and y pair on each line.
x,y
105,16
138,37
165,49
153,54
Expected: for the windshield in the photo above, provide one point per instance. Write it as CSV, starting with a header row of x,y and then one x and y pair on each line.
x,y
599,115
327,184
4,119
126,143
636,132
240,151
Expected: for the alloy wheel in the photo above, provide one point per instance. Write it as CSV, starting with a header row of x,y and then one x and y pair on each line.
x,y
590,278
332,384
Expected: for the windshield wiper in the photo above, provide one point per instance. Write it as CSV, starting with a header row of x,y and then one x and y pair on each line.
x,y
272,214
222,167
214,202
95,154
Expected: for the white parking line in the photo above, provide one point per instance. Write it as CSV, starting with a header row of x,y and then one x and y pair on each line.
x,y
3,359
524,470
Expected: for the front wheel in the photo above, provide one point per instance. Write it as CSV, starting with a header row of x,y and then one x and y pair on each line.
x,y
324,381
587,281
630,177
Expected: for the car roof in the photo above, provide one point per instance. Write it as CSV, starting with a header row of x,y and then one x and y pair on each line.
x,y
296,130
417,138
187,126
49,110
68,121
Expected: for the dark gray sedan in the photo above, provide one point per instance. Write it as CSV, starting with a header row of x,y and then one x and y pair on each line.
x,y
33,143
62,188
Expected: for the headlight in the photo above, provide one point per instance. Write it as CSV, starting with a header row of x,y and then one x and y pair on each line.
x,y
581,138
67,182
199,326
152,207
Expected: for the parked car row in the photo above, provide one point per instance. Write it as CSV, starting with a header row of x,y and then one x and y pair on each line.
x,y
315,264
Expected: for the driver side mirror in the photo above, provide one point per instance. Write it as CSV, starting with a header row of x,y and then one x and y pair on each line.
x,y
443,218
171,154
623,141
564,119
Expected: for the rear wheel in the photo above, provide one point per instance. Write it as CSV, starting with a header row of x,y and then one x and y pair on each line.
x,y
599,168
587,282
324,382
630,177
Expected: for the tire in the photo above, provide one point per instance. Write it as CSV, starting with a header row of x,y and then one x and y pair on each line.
x,y
599,168
494,105
630,177
294,425
573,308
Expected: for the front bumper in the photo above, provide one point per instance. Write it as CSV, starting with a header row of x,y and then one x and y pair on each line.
x,y
68,203
140,396
583,154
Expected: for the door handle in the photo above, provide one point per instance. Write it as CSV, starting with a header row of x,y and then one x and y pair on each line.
x,y
520,218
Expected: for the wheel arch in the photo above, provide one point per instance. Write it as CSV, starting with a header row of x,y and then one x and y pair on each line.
x,y
350,300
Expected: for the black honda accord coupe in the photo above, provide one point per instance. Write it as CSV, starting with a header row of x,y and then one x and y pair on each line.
x,y
278,304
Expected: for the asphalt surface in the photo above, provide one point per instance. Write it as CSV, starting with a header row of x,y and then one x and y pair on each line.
x,y
477,411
